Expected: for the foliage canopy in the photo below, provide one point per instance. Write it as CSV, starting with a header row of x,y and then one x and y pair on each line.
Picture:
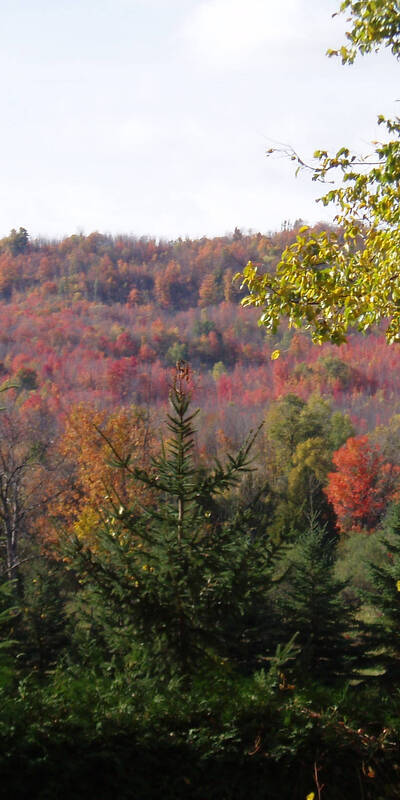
x,y
330,280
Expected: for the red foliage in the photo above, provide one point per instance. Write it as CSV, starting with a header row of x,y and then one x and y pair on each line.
x,y
120,375
362,486
78,310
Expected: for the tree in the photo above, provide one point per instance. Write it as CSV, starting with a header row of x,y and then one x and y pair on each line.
x,y
284,428
209,292
312,607
300,438
311,463
384,597
8,613
181,586
26,463
16,242
41,625
330,280
374,24
94,487
27,378
362,486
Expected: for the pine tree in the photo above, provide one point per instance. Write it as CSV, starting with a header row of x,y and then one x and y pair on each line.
x,y
190,588
313,608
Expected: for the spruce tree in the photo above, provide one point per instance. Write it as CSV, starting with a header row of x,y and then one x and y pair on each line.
x,y
383,633
189,588
312,607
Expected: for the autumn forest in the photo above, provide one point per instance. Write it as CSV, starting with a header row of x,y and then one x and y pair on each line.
x,y
200,555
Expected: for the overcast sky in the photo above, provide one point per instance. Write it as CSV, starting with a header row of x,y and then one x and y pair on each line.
x,y
152,117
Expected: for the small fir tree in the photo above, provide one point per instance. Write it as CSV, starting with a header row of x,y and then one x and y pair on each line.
x,y
187,588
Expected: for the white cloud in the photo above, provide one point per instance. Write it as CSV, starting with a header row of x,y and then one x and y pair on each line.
x,y
225,33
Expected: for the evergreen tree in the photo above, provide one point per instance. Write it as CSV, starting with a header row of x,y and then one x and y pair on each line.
x,y
384,632
41,624
312,606
181,585
8,615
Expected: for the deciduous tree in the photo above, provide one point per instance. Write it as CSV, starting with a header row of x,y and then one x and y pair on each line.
x,y
330,280
95,488
362,485
26,484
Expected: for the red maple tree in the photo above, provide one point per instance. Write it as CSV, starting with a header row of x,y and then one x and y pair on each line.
x,y
362,485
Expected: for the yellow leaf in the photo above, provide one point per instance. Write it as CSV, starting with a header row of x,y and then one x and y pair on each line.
x,y
310,796
275,355
398,586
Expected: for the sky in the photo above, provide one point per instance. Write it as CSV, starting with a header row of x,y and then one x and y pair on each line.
x,y
153,117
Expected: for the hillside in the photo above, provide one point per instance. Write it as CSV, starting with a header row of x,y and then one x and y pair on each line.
x,y
217,611
103,320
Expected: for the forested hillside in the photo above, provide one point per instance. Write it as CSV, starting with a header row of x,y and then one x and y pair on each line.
x,y
92,328
102,320
211,591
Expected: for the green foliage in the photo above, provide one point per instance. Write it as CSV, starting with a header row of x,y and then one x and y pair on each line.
x,y
341,429
387,438
290,421
167,681
8,615
311,463
218,370
312,606
16,242
87,733
374,23
283,424
203,326
383,596
329,281
299,440
42,624
27,378
178,584
175,353
357,551
337,369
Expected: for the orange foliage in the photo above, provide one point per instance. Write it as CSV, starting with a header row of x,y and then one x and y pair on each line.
x,y
90,442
